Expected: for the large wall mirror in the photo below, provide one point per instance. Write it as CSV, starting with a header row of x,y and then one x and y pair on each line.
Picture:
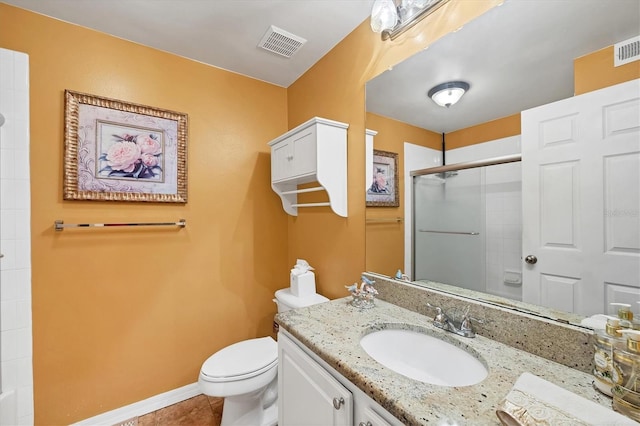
x,y
517,56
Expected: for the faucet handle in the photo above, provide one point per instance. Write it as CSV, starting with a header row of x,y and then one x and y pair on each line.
x,y
466,326
440,319
438,309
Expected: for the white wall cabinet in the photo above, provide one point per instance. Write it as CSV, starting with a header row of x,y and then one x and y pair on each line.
x,y
310,392
295,156
315,151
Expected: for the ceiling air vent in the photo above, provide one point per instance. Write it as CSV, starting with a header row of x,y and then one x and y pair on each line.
x,y
626,51
279,41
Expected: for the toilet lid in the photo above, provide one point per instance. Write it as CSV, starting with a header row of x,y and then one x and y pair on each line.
x,y
242,360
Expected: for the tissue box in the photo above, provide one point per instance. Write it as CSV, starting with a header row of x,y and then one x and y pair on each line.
x,y
303,285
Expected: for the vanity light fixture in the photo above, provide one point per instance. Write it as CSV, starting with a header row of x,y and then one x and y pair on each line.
x,y
447,94
392,17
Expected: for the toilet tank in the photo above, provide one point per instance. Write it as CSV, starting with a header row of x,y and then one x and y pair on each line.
x,y
286,300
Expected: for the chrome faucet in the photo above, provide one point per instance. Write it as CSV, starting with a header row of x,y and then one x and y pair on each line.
x,y
462,328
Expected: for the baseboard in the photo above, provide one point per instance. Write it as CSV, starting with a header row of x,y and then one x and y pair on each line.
x,y
142,407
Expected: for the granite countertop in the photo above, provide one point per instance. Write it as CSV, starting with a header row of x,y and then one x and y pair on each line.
x,y
332,330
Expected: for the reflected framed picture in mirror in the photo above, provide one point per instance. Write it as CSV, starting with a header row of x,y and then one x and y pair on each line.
x,y
383,188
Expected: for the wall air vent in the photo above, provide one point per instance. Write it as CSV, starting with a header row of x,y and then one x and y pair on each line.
x,y
279,41
626,51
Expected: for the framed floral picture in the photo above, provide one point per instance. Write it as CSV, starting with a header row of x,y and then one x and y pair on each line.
x,y
120,151
383,190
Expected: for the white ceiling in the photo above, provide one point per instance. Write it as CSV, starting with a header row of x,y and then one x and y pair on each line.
x,y
515,57
222,33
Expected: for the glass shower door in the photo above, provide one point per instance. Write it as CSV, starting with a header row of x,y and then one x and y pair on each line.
x,y
448,228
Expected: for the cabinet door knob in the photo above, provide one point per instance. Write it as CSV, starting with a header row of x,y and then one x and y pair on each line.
x,y
531,259
338,402
365,424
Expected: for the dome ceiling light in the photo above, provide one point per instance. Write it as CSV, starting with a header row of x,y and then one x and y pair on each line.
x,y
447,94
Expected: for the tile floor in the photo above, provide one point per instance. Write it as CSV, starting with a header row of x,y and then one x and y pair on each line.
x,y
200,410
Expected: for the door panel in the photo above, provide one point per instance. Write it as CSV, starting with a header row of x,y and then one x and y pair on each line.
x,y
559,292
622,198
559,205
581,200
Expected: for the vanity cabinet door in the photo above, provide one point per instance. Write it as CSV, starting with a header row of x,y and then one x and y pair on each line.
x,y
367,416
307,394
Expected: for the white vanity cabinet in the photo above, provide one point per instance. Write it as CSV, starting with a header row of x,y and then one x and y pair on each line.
x,y
307,393
310,392
315,151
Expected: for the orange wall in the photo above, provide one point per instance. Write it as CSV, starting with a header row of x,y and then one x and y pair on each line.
x,y
334,88
392,135
485,132
119,316
596,71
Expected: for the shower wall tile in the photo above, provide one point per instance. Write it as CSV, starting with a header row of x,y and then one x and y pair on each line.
x,y
8,249
8,315
25,403
21,157
7,64
503,212
7,163
16,347
21,74
8,224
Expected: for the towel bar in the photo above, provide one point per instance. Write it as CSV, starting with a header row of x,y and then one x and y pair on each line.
x,y
59,225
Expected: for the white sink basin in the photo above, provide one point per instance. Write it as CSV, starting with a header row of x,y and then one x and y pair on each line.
x,y
424,358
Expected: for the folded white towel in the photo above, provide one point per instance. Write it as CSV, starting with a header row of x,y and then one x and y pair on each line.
x,y
597,321
535,401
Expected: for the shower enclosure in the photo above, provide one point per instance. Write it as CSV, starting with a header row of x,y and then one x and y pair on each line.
x,y
467,221
16,354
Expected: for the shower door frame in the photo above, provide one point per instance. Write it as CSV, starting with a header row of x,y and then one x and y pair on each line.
x,y
442,169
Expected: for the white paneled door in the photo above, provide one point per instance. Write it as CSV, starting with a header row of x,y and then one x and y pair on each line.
x,y
581,200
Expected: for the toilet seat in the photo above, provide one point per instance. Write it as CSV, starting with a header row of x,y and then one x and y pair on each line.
x,y
241,360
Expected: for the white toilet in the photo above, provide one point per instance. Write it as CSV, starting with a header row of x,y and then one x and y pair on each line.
x,y
245,373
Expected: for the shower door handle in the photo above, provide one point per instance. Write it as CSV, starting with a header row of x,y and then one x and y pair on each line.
x,y
531,259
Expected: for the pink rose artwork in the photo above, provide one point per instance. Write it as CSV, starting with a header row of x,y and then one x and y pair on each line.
x,y
123,156
132,156
148,145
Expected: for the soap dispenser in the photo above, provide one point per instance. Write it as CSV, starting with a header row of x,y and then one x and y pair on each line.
x,y
626,375
624,313
635,322
604,342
